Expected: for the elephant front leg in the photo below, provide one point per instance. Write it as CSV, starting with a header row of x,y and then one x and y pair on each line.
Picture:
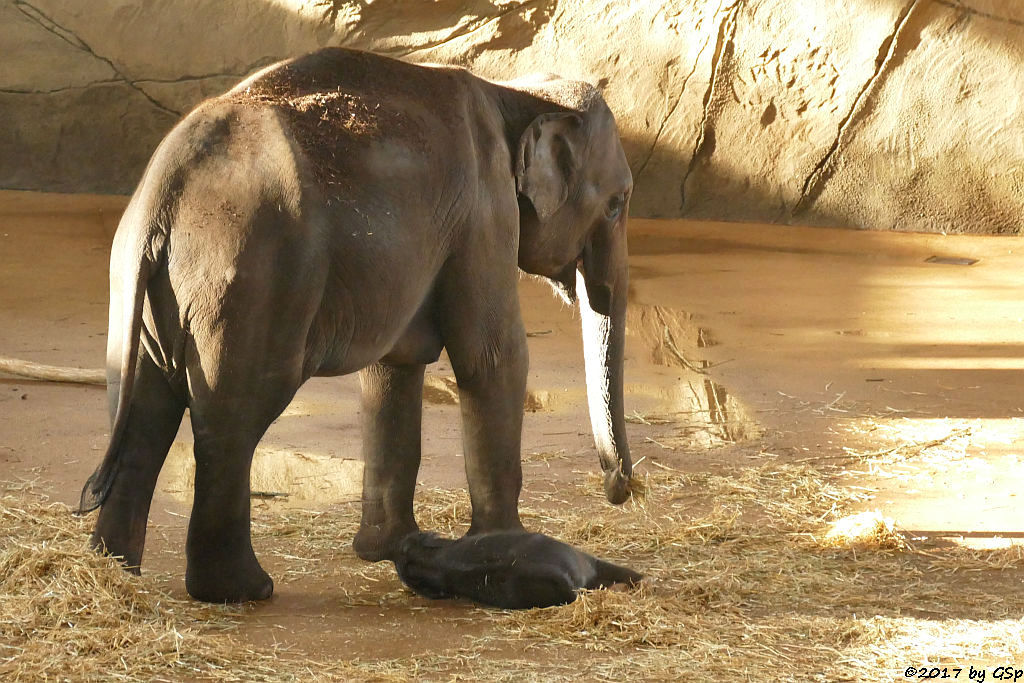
x,y
392,415
491,393
483,332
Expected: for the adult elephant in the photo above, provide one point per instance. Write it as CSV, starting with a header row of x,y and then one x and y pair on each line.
x,y
343,211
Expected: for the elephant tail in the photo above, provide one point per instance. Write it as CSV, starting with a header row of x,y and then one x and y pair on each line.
x,y
137,251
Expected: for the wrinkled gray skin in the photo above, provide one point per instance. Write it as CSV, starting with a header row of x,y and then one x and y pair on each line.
x,y
346,212
507,569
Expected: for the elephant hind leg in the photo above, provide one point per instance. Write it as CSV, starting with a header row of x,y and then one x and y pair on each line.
x,y
153,419
222,566
230,412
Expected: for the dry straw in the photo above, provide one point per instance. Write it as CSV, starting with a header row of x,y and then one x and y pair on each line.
x,y
67,613
744,582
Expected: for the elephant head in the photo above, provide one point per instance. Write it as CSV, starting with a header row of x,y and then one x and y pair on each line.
x,y
574,186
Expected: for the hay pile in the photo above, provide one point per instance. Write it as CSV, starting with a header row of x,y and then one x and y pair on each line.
x,y
866,530
745,582
67,613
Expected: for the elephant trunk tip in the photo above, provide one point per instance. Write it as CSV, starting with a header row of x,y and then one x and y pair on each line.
x,y
616,486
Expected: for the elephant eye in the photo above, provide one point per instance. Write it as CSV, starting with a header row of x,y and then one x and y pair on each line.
x,y
614,207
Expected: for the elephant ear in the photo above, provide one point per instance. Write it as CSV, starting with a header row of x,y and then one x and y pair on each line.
x,y
549,155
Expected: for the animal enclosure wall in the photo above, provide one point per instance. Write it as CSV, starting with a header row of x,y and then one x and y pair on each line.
x,y
883,114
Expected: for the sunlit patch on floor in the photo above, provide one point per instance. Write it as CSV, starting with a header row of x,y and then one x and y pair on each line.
x,y
444,390
278,474
944,479
302,408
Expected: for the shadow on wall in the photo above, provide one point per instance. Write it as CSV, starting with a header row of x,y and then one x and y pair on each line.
x,y
891,114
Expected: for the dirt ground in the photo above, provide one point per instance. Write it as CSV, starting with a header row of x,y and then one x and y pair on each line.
x,y
748,344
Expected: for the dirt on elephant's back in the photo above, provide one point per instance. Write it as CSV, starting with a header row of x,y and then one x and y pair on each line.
x,y
328,120
326,126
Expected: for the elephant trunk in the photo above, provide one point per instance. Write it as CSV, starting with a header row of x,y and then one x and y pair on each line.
x,y
602,296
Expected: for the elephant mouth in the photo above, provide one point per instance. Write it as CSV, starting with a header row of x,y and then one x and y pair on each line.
x,y
564,282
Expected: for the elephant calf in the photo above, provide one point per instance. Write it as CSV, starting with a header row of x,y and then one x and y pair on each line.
x,y
508,569
345,212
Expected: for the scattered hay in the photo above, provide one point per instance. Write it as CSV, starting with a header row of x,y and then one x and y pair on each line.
x,y
66,612
606,620
962,559
545,456
650,419
905,450
743,585
744,581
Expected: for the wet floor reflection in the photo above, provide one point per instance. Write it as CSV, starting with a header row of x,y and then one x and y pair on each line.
x,y
703,412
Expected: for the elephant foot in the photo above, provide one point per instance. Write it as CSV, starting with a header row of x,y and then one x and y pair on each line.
x,y
125,545
477,527
375,543
228,579
101,546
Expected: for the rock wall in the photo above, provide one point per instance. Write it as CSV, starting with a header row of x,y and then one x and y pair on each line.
x,y
885,114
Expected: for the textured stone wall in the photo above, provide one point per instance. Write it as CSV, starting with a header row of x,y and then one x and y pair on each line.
x,y
887,114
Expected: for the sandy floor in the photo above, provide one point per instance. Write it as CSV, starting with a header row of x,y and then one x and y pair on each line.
x,y
748,342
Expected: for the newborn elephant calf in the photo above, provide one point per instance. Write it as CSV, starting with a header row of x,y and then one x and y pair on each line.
x,y
509,569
